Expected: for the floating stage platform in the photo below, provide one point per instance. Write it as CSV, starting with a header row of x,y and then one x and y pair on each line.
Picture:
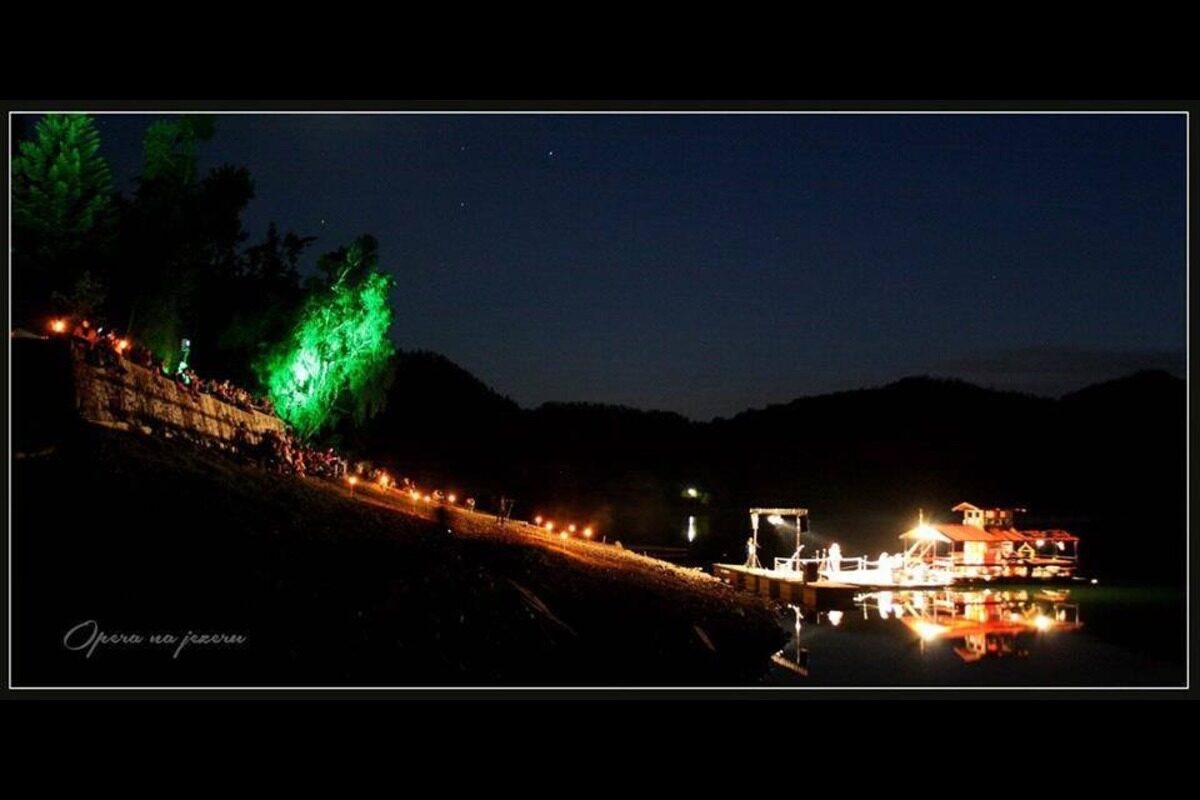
x,y
787,587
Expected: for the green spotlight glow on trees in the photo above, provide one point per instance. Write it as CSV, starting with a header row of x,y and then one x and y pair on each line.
x,y
337,348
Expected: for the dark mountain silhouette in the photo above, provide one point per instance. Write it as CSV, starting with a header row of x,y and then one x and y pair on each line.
x,y
1106,462
428,431
1127,386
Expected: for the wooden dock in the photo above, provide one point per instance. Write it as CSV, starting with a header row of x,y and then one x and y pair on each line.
x,y
787,587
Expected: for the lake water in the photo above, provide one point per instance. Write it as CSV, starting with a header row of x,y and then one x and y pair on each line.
x,y
1011,636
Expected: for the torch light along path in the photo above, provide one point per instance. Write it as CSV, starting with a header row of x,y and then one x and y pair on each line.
x,y
469,522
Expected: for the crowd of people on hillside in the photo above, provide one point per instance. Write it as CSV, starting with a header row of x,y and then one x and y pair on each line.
x,y
107,349
280,452
104,348
285,454
226,391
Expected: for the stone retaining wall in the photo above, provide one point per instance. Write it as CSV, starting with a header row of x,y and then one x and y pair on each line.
x,y
137,396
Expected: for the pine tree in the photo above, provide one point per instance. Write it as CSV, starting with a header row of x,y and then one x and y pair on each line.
x,y
62,213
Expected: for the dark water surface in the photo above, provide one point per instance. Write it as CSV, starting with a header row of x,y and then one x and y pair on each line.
x,y
1081,635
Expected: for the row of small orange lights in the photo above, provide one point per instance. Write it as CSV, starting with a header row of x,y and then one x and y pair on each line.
x,y
60,325
386,481
564,533
428,498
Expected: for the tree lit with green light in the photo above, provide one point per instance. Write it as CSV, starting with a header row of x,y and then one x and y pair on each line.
x,y
339,347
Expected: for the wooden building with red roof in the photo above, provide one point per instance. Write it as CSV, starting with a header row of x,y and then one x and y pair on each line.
x,y
987,544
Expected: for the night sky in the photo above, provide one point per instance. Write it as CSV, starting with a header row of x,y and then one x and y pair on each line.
x,y
709,263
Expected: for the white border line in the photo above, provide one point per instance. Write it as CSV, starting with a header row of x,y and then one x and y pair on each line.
x,y
553,112
11,150
556,112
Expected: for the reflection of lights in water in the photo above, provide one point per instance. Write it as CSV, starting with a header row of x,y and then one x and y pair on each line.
x,y
835,618
1042,622
775,519
691,531
885,604
928,631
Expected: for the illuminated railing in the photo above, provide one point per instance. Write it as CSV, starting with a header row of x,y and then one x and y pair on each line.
x,y
1000,560
794,564
848,564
